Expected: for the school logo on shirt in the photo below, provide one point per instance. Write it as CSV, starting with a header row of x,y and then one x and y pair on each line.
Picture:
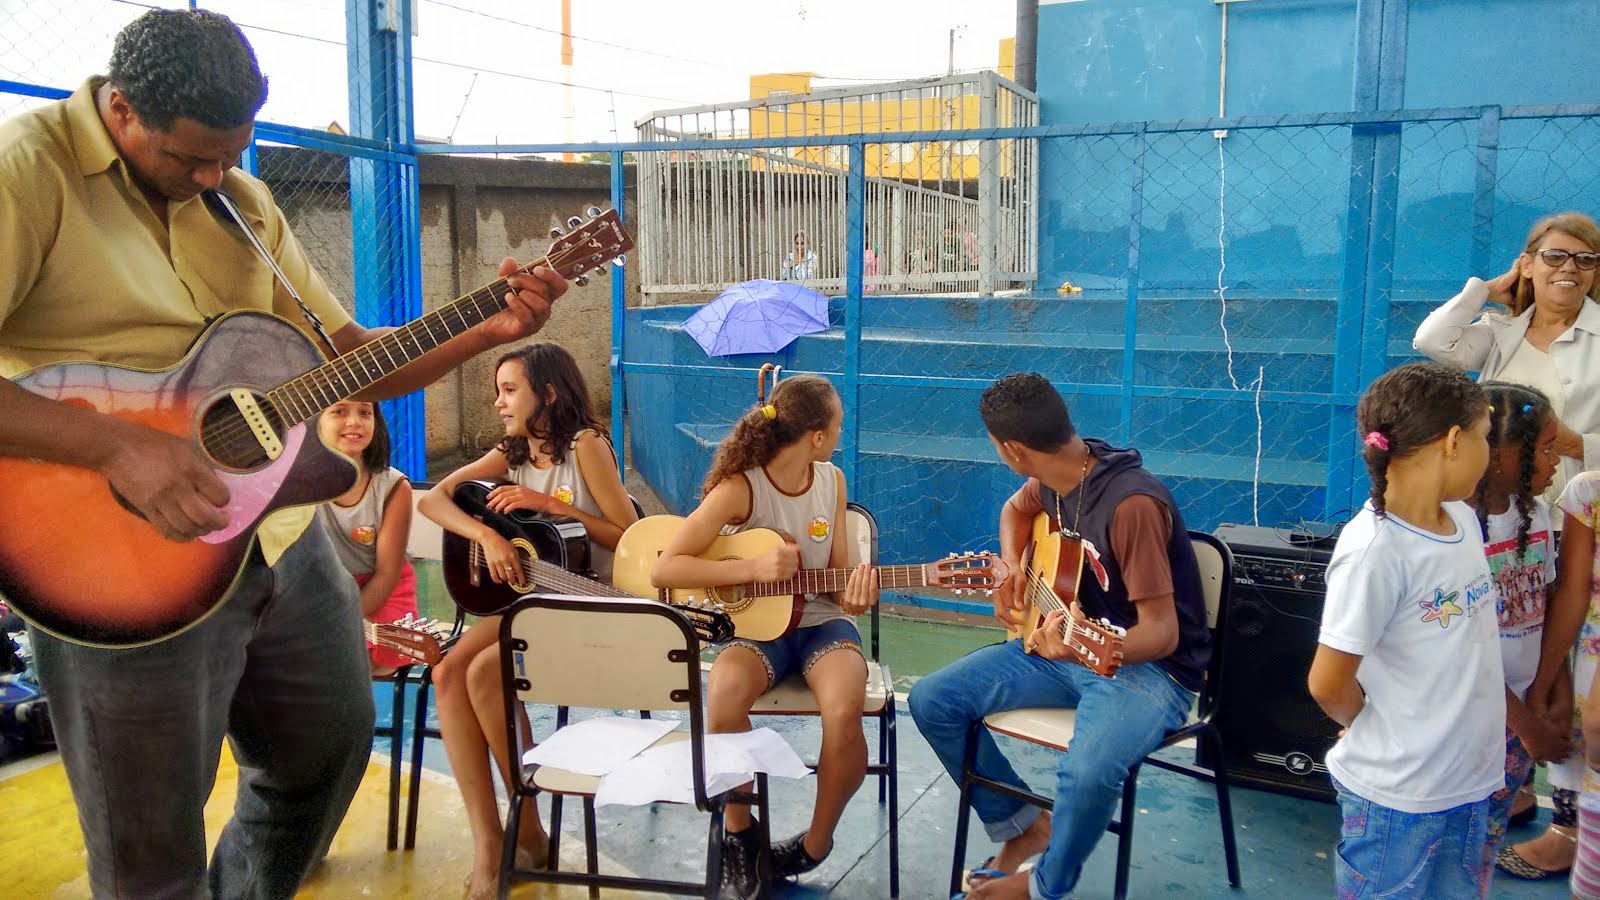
x,y
363,534
819,529
563,493
1441,608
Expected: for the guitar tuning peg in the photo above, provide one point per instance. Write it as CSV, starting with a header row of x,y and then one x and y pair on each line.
x,y
602,272
556,232
592,212
581,281
574,222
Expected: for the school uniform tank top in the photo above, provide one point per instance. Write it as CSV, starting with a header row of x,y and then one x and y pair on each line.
x,y
808,518
564,482
354,529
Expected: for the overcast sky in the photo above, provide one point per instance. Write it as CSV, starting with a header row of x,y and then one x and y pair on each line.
x,y
642,55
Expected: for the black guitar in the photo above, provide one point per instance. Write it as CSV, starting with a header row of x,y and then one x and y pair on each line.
x,y
552,555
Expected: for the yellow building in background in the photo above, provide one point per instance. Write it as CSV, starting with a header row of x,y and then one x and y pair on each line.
x,y
925,105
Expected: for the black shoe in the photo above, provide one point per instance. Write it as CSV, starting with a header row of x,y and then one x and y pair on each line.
x,y
744,866
789,857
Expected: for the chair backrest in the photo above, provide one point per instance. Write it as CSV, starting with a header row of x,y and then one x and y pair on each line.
x,y
638,508
1216,584
427,538
600,652
861,531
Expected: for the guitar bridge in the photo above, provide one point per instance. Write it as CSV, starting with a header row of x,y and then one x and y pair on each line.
x,y
256,418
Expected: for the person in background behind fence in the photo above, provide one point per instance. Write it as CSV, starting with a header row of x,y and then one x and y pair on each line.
x,y
113,256
801,263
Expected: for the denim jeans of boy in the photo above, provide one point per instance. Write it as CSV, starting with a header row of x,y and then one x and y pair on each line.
x,y
1120,721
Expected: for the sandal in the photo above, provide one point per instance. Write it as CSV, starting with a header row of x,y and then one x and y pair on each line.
x,y
1509,861
987,872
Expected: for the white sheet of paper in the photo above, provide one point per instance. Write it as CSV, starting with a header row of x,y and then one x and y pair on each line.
x,y
665,774
597,746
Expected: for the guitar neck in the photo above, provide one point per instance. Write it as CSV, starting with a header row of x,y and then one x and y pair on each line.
x,y
822,581
555,579
303,398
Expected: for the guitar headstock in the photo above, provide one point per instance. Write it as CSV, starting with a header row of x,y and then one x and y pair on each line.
x,y
711,621
1097,643
418,639
967,572
589,245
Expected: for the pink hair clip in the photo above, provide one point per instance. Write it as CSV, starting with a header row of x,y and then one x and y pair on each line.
x,y
1376,439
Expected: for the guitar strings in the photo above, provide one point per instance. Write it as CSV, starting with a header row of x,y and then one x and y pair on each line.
x,y
235,434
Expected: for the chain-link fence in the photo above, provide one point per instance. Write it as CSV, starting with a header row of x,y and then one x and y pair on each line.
x,y
1213,294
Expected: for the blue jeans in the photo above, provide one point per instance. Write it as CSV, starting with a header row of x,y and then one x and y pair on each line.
x,y
281,670
800,649
1120,721
1384,852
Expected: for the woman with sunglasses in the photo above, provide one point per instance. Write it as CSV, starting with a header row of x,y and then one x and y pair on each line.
x,y
1548,338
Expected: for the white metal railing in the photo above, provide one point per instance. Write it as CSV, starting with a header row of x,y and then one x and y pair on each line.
x,y
948,216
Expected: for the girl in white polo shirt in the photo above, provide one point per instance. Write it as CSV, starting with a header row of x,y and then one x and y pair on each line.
x,y
1409,660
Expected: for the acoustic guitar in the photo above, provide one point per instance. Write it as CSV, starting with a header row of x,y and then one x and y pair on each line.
x,y
78,563
421,640
552,554
764,611
1094,642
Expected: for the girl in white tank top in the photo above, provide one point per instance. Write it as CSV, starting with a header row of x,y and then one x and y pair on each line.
x,y
558,461
773,472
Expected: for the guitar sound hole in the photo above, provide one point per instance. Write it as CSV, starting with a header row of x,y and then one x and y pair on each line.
x,y
228,438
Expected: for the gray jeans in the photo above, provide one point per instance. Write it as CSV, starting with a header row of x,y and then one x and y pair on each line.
x,y
281,669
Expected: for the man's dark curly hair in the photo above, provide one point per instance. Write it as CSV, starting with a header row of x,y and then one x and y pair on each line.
x,y
1027,408
189,64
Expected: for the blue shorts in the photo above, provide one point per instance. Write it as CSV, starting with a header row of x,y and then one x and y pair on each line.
x,y
800,649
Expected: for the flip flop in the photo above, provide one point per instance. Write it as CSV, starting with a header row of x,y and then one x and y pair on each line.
x,y
985,872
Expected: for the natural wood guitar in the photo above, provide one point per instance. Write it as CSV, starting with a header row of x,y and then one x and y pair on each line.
x,y
767,610
1053,566
78,563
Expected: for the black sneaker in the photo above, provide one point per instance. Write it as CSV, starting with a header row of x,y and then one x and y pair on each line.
x,y
744,877
789,857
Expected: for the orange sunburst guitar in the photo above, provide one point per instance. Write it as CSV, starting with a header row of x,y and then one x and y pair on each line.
x,y
765,611
1055,560
76,562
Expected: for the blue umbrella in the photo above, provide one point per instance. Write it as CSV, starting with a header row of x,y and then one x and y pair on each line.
x,y
759,316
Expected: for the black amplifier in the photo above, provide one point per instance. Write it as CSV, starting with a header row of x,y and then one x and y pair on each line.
x,y
1273,734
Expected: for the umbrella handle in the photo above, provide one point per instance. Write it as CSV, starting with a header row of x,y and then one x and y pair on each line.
x,y
761,381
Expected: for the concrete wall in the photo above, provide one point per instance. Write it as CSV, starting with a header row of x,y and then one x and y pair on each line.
x,y
475,212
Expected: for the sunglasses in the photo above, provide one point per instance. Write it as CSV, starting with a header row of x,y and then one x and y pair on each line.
x,y
1555,259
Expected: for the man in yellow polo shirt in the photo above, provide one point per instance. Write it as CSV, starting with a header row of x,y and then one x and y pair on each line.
x,y
110,254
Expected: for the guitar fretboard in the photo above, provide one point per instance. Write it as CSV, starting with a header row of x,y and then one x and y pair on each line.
x,y
819,581
302,398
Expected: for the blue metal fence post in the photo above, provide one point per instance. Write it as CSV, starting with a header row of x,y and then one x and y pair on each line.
x,y
1361,331
250,159
1488,164
855,208
1130,309
619,320
384,224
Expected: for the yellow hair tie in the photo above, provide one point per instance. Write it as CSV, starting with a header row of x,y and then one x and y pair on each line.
x,y
770,411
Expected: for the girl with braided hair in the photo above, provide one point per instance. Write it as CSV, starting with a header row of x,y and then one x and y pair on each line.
x,y
1517,534
772,471
1408,658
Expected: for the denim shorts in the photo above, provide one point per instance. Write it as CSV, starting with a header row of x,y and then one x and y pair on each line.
x,y
800,649
1384,852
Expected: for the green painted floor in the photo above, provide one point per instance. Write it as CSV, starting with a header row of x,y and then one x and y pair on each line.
x,y
1284,843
